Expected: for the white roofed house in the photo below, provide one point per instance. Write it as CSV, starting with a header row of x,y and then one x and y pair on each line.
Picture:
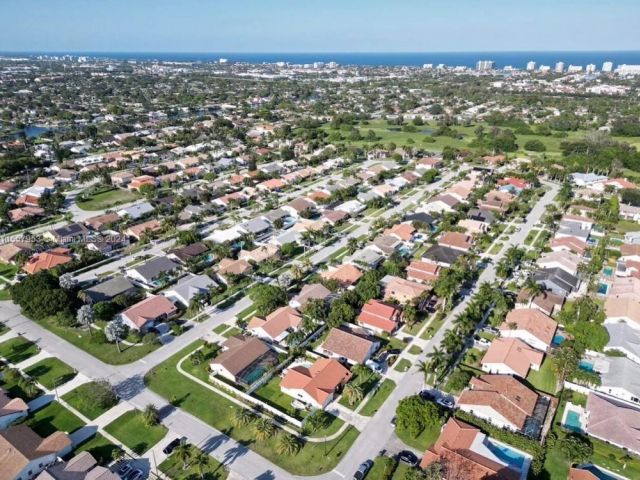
x,y
189,287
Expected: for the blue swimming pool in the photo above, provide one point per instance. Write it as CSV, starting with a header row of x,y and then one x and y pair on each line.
x,y
506,454
572,422
603,288
608,271
558,339
586,365
598,473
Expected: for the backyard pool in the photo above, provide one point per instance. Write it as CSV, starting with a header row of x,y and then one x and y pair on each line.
x,y
558,339
603,288
572,422
507,455
586,365
608,271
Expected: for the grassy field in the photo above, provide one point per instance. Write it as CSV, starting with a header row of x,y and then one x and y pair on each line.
x,y
271,394
131,430
423,441
366,384
78,397
52,418
51,372
312,459
403,365
174,469
544,379
18,349
107,352
378,398
106,199
98,446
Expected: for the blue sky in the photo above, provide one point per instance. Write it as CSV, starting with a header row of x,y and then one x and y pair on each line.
x,y
318,26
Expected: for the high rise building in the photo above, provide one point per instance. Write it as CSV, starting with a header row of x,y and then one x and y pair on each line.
x,y
559,67
591,68
545,69
607,67
574,69
531,66
628,70
485,65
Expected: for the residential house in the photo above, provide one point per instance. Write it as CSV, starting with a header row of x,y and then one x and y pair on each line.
x,y
625,339
10,252
189,287
24,454
531,326
441,204
496,201
81,467
151,273
567,261
402,231
134,212
145,228
623,308
277,325
315,384
241,358
456,240
425,272
300,207
587,179
47,260
569,244
387,244
614,422
511,356
257,227
548,303
345,274
473,227
557,280
441,255
353,346
368,257
463,448
108,290
263,253
149,312
619,378
11,409
311,291
380,317
229,266
21,214
137,182
102,222
188,253
67,234
351,207
402,290
505,402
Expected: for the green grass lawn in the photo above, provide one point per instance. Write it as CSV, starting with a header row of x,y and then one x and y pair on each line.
x,y
545,378
625,226
131,430
231,332
52,418
382,469
542,240
271,394
8,271
423,441
495,249
106,352
3,328
433,327
106,199
531,236
18,349
221,328
366,384
98,446
403,365
312,459
78,399
415,328
378,398
473,357
51,372
175,470
415,350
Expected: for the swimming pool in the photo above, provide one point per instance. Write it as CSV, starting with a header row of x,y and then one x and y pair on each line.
x,y
608,271
572,421
558,339
603,288
586,365
506,454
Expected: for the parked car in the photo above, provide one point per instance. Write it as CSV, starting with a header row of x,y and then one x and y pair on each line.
x,y
445,402
427,395
136,475
375,366
408,457
362,470
173,444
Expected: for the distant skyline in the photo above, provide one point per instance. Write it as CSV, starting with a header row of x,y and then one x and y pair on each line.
x,y
298,26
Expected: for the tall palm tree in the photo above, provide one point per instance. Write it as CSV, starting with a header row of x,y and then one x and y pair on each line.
x,y
437,359
183,454
424,368
200,461
242,417
353,393
288,444
263,429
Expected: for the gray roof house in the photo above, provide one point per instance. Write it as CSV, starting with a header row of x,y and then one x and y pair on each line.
x,y
624,338
441,255
557,280
149,272
620,377
188,287
136,211
256,226
367,257
107,291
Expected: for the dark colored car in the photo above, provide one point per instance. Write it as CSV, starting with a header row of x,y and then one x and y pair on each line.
x,y
173,445
427,395
408,457
363,469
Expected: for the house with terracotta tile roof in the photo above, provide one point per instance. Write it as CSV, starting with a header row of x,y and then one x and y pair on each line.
x,y
402,231
102,222
277,325
424,272
261,253
138,182
511,356
47,260
351,345
315,384
21,214
580,474
469,454
569,244
403,290
497,201
149,312
24,454
380,317
505,402
548,303
9,251
145,228
311,291
456,240
531,326
513,185
229,266
345,274
272,185
11,409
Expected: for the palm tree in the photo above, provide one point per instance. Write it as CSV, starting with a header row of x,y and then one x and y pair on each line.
x,y
288,444
200,460
263,429
424,368
437,359
353,393
242,417
150,415
183,454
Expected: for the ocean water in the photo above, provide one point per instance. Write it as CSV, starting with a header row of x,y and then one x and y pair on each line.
x,y
468,59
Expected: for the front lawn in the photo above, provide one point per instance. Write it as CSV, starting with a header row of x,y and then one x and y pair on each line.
x,y
105,198
106,352
131,430
98,446
403,365
18,349
544,379
51,372
378,398
217,411
52,418
174,468
366,383
78,398
423,441
271,394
